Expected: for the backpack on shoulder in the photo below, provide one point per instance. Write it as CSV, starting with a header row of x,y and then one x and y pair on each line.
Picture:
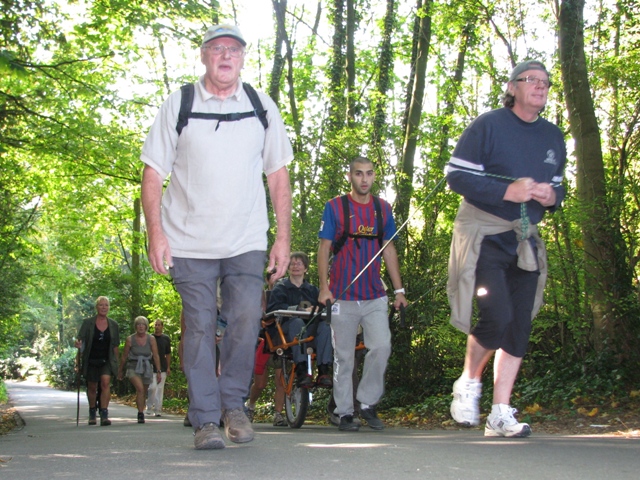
x,y
186,104
346,224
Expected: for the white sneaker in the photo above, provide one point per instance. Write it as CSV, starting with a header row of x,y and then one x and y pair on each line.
x,y
279,421
464,407
503,424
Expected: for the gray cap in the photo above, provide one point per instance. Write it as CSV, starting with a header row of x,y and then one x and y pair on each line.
x,y
218,31
527,65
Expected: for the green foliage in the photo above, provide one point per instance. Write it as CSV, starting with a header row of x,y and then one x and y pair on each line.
x,y
4,398
79,83
553,383
60,370
176,383
175,403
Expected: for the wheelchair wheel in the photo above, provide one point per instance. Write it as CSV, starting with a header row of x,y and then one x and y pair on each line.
x,y
296,403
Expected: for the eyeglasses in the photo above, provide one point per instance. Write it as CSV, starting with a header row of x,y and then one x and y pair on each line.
x,y
535,80
234,51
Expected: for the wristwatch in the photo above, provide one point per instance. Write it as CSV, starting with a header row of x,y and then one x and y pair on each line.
x,y
400,290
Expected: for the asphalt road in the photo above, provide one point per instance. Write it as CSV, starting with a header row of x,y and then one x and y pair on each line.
x,y
51,446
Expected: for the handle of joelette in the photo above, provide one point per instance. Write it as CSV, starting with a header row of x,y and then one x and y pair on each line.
x,y
402,314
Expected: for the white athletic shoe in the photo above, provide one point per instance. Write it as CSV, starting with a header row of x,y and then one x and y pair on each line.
x,y
503,424
466,397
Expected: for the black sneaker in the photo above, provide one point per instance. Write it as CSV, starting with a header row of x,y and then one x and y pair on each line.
x,y
92,416
104,417
347,424
370,416
303,379
140,417
324,379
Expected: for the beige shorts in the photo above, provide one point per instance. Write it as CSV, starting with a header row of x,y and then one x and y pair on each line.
x,y
131,372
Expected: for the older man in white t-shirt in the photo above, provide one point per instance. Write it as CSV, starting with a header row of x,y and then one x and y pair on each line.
x,y
211,224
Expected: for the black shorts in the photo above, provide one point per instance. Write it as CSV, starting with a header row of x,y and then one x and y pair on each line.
x,y
505,295
94,373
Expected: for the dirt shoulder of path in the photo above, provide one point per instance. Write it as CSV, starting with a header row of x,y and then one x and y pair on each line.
x,y
9,418
623,423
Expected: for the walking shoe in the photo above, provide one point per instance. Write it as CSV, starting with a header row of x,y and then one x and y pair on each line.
x,y
186,422
208,437
324,379
371,417
104,417
347,424
334,418
279,421
303,379
501,423
464,407
92,416
250,413
237,426
140,417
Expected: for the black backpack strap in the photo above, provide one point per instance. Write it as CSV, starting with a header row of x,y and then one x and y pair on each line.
x,y
338,244
258,109
186,102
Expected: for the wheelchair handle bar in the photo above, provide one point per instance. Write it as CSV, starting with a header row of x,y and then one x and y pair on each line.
x,y
402,314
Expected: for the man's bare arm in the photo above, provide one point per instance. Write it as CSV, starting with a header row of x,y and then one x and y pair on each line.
x,y
324,251
280,193
159,252
392,264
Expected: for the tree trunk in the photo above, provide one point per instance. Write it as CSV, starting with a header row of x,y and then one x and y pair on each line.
x,y
405,184
279,8
60,324
351,63
385,67
598,233
136,250
452,88
337,100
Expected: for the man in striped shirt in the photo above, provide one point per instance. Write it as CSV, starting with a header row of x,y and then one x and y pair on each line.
x,y
356,291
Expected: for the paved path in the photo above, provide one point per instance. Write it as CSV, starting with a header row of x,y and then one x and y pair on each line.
x,y
50,446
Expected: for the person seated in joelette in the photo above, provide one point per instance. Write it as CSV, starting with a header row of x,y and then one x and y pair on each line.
x,y
294,291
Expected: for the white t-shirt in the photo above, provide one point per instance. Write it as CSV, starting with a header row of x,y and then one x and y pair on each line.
x,y
215,204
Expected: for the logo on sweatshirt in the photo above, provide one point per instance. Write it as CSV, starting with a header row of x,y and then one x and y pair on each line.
x,y
551,158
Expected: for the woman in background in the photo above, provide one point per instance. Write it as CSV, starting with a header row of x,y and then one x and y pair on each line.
x,y
139,349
